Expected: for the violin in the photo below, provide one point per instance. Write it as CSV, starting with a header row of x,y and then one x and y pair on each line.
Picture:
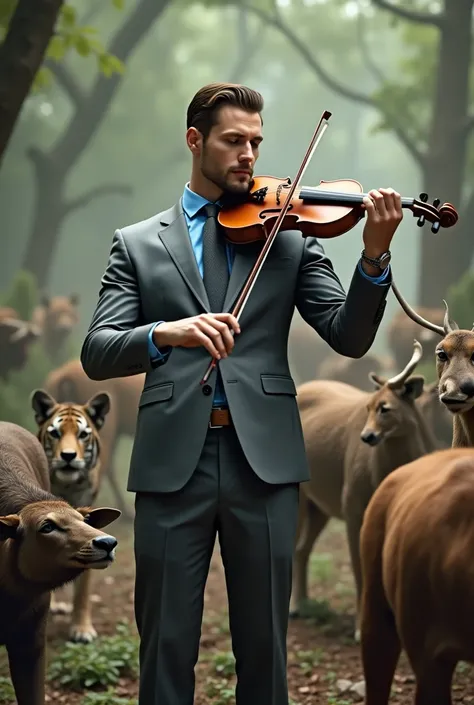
x,y
321,212
324,211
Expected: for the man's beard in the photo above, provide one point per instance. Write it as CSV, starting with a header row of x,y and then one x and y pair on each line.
x,y
230,196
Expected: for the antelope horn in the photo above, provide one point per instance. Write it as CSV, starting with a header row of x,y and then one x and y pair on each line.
x,y
20,329
398,380
411,313
448,323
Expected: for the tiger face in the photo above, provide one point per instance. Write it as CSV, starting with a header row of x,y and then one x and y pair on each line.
x,y
69,434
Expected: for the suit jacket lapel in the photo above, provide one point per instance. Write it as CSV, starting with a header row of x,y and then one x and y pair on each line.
x,y
245,258
175,237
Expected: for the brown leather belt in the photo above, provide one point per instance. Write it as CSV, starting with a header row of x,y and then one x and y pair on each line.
x,y
219,418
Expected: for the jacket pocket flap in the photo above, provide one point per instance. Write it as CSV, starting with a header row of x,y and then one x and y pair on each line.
x,y
278,384
159,392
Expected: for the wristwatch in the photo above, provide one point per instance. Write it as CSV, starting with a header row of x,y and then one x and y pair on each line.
x,y
381,262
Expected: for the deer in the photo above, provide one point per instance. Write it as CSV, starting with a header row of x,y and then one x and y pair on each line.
x,y
417,543
353,440
44,544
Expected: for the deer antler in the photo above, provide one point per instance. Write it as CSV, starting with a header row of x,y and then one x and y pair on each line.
x,y
416,316
449,323
398,380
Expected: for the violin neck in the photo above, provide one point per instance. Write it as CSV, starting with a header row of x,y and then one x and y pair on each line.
x,y
317,196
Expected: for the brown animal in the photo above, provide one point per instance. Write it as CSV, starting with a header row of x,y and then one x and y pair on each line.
x,y
436,415
16,337
56,317
402,330
353,371
416,548
69,435
44,543
70,383
417,542
353,440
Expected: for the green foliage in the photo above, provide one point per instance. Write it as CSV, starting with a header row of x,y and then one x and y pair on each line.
x,y
460,298
107,698
22,295
100,663
69,35
7,694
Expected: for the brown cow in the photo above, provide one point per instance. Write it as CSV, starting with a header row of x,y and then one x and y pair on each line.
x,y
44,543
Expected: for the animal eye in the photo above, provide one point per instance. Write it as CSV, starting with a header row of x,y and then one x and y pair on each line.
x,y
383,409
441,355
54,432
83,434
48,527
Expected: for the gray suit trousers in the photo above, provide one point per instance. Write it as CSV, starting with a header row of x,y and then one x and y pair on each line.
x,y
174,538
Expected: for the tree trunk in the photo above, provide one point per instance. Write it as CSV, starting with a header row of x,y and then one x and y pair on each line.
x,y
446,256
21,55
48,216
91,109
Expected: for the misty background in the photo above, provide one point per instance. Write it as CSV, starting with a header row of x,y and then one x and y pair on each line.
x,y
100,141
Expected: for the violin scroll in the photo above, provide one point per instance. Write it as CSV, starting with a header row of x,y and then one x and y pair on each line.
x,y
444,217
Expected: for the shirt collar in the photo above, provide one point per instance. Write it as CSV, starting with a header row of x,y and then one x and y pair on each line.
x,y
193,202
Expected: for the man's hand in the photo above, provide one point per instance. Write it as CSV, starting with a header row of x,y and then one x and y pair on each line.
x,y
211,330
384,214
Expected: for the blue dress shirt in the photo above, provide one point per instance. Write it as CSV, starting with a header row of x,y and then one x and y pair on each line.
x,y
195,216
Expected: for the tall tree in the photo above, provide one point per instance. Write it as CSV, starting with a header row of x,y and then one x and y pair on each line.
x,y
53,168
430,113
31,31
21,54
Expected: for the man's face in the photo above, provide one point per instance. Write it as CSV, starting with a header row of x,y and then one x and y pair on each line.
x,y
228,156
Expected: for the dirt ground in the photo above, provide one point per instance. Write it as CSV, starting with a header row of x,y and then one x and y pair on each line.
x,y
321,650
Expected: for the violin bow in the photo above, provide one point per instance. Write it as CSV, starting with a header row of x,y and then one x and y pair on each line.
x,y
255,271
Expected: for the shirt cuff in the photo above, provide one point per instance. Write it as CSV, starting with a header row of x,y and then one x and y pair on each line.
x,y
375,280
154,352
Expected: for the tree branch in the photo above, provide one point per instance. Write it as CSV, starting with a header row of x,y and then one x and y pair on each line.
x,y
364,50
97,192
21,54
435,19
67,81
87,119
335,85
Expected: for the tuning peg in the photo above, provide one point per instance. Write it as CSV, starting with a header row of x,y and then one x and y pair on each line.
x,y
421,221
423,197
435,227
436,202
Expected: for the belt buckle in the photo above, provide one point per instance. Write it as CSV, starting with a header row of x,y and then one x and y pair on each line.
x,y
215,408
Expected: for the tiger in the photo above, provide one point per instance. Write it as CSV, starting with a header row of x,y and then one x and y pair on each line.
x,y
69,435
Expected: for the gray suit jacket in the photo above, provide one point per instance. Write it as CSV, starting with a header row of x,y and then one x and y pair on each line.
x,y
152,275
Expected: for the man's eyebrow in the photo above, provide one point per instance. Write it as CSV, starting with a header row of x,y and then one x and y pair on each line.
x,y
236,133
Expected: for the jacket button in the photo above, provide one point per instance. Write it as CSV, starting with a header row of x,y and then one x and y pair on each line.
x,y
206,390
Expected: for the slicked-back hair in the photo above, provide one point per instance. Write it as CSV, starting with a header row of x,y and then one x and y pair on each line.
x,y
204,107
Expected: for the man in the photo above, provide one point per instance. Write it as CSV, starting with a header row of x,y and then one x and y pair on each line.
x,y
225,457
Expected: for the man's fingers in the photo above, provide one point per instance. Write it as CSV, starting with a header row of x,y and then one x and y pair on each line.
x,y
229,319
206,342
379,201
215,336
